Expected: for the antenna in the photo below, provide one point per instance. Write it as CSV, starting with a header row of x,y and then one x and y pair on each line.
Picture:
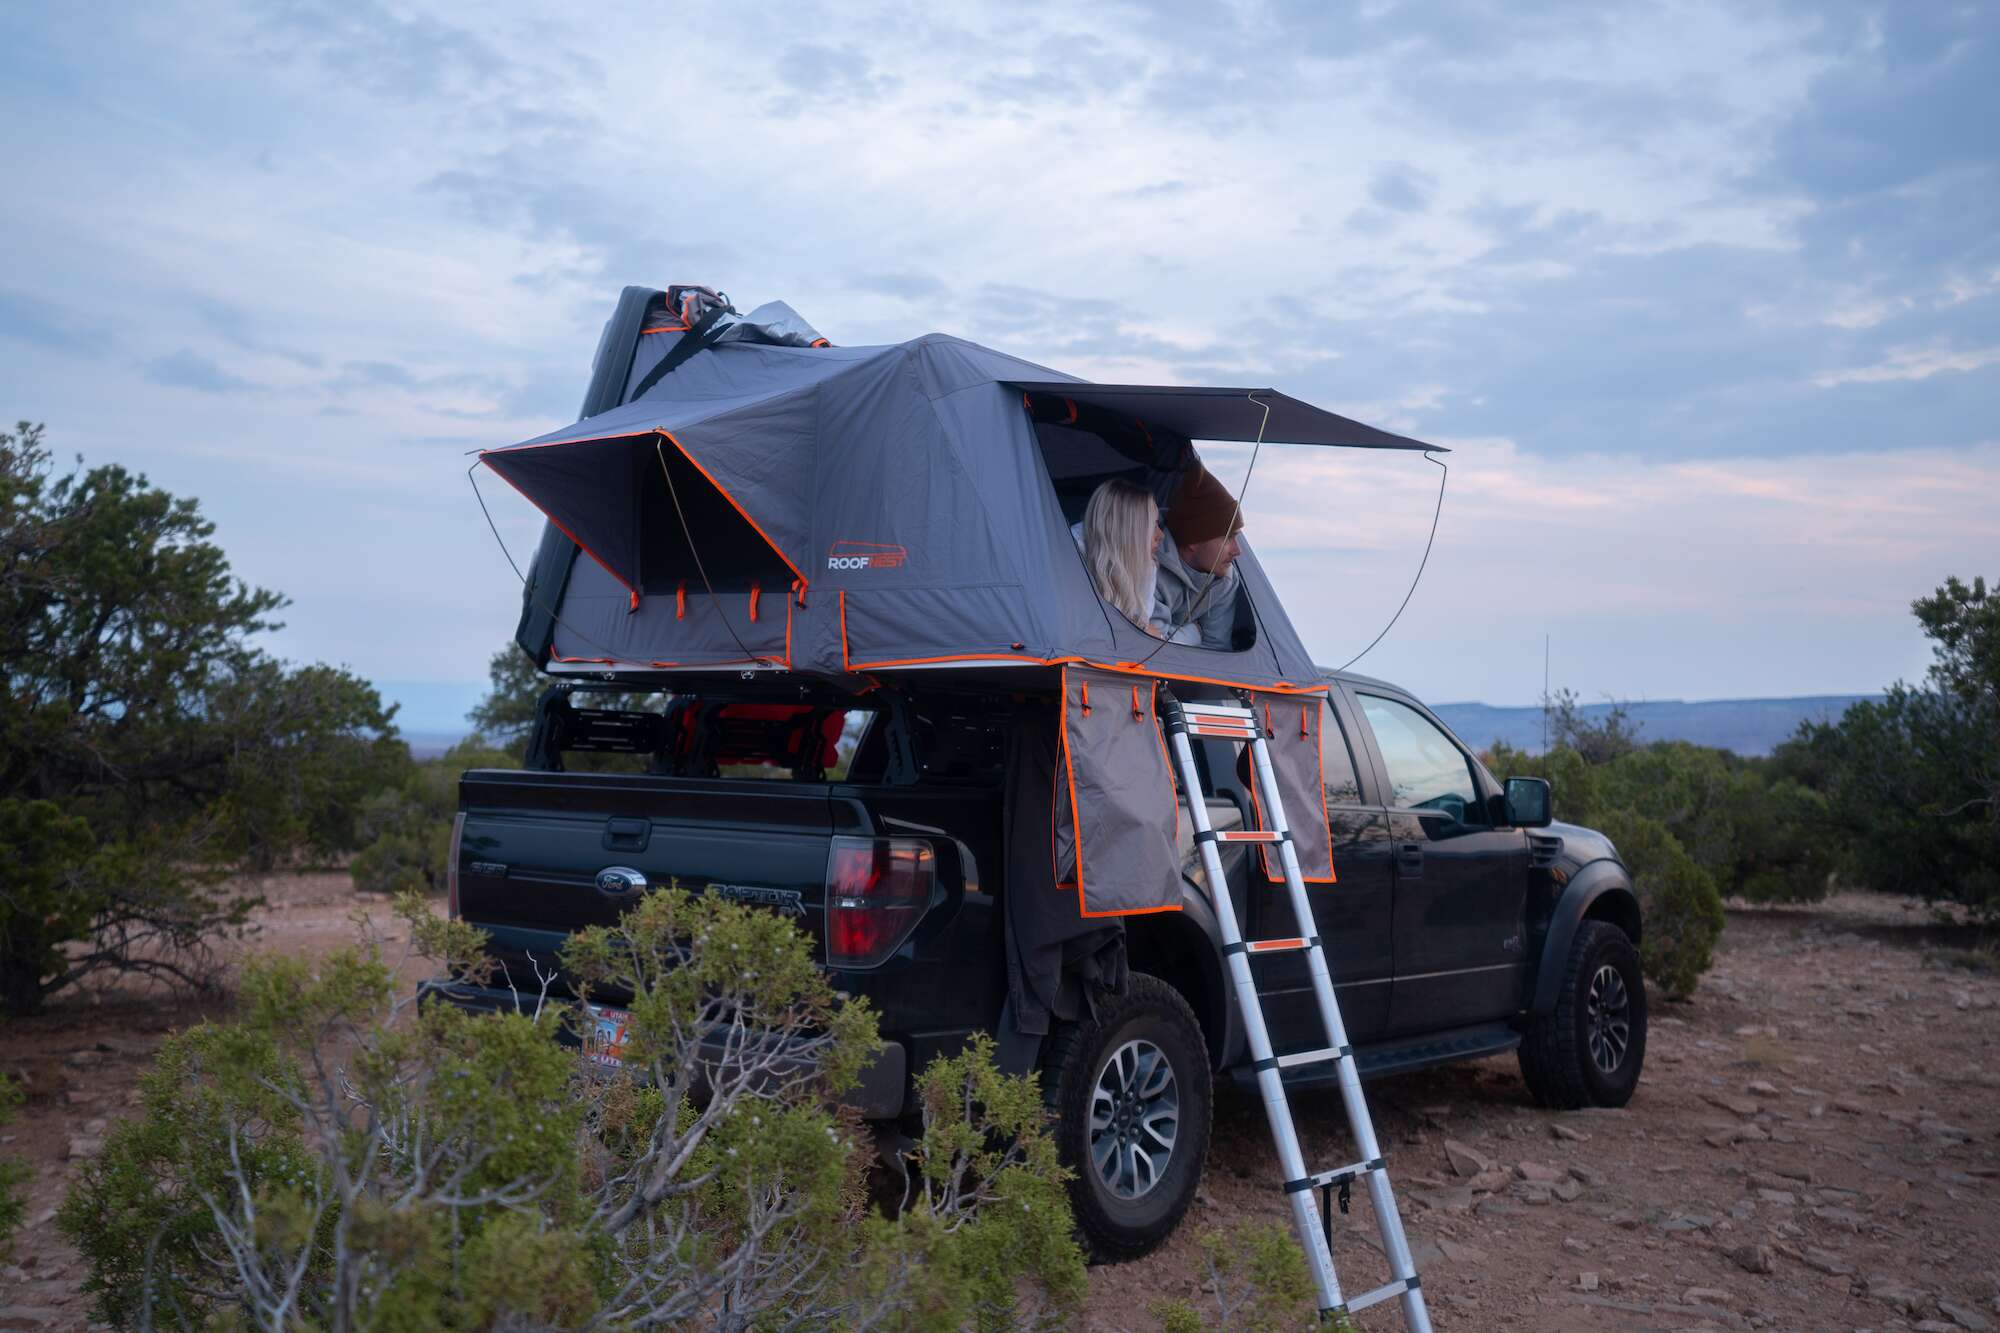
x,y
1545,693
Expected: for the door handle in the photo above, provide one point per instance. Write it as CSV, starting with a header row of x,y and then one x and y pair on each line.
x,y
1410,858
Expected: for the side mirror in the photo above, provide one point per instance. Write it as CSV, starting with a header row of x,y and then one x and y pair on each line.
x,y
1530,802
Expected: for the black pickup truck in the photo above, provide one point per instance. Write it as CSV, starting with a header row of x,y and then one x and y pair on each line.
x,y
1463,922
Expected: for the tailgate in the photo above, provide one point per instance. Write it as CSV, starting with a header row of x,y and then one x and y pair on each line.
x,y
536,848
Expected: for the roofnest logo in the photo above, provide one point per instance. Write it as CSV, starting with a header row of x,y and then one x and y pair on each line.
x,y
866,555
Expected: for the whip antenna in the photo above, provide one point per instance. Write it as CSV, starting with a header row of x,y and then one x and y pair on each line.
x,y
1443,473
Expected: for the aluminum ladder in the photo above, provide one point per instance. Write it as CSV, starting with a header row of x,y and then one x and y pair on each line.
x,y
1314,1222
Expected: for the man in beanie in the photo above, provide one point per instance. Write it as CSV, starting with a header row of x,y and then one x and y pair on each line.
x,y
1194,594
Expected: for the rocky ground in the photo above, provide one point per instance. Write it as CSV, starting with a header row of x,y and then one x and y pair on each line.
x,y
1815,1145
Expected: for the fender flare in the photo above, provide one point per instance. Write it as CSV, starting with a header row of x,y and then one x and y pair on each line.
x,y
1602,890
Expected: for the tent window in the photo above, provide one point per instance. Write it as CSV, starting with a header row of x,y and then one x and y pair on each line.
x,y
1082,455
704,535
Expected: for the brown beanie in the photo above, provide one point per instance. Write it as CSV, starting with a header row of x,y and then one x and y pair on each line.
x,y
1202,508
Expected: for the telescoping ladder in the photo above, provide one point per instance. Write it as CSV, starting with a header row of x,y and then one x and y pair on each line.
x,y
1315,1223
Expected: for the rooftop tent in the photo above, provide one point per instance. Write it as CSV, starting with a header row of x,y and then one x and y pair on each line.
x,y
790,505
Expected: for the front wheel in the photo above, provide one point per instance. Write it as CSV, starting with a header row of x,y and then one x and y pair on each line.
x,y
1589,1051
1131,1094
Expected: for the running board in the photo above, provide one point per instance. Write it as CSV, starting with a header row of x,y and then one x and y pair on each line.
x,y
1383,1058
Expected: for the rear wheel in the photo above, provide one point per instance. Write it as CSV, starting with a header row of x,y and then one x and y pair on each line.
x,y
1131,1093
1589,1051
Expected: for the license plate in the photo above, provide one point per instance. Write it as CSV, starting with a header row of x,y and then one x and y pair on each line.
x,y
606,1044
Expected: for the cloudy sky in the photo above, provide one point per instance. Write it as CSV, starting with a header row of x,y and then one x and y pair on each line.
x,y
1706,298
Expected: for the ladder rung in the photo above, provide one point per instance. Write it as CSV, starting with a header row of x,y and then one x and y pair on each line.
x,y
1326,1178
1278,946
1297,1058
1235,731
1380,1294
1249,835
1237,711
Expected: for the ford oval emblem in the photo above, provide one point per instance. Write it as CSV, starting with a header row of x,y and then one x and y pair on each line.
x,y
619,880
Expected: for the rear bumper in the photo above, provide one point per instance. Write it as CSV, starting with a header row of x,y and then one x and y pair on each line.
x,y
880,1095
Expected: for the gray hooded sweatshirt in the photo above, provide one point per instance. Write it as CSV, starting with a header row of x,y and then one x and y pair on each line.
x,y
1174,592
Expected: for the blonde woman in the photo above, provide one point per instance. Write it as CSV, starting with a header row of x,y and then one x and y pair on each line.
x,y
1121,534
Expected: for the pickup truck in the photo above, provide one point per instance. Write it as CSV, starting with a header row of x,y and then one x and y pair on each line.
x,y
1463,922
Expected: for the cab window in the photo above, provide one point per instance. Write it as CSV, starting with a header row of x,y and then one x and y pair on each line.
x,y
1336,762
1427,772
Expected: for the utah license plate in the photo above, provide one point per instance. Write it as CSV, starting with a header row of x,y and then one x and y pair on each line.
x,y
607,1037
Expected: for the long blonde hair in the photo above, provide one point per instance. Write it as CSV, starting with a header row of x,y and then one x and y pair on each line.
x,y
1118,527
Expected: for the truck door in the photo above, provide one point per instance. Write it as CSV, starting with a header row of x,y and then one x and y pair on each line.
x,y
1459,880
1351,915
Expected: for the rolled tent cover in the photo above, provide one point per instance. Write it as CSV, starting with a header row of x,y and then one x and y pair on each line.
x,y
865,509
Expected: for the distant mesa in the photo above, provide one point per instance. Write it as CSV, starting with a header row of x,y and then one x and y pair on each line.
x,y
1747,726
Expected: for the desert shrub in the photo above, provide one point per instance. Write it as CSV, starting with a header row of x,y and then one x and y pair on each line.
x,y
506,716
1696,793
1258,1280
148,751
1783,844
1597,741
336,1157
1683,910
13,1175
1573,784
1912,781
405,831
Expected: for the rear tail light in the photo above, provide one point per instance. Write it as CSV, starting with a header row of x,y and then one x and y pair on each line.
x,y
451,866
876,892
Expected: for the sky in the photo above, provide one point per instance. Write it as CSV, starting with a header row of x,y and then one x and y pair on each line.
x,y
1705,298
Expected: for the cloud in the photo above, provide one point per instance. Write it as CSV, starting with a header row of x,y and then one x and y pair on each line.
x,y
1401,190
831,73
1621,239
1911,363
29,320
1705,579
188,369
902,286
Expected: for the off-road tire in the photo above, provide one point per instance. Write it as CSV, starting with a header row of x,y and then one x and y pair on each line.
x,y
1556,1058
1111,1228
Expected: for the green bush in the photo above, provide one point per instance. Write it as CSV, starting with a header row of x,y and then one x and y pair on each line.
x,y
1783,847
1258,1279
1911,782
148,750
1683,911
334,1158
405,832
13,1175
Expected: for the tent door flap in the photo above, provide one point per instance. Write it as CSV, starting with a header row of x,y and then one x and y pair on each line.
x,y
1116,810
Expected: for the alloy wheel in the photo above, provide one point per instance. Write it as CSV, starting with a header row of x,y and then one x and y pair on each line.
x,y
1134,1119
1608,1011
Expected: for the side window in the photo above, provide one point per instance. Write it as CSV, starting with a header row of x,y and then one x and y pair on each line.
x,y
1426,771
1336,762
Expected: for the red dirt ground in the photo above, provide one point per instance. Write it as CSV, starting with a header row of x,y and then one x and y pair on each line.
x,y
1815,1145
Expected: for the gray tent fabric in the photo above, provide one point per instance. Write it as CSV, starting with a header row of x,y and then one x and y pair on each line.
x,y
1057,962
1117,811
904,505
1209,413
1292,739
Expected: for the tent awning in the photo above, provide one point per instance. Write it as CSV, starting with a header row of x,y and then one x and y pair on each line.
x,y
1200,413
